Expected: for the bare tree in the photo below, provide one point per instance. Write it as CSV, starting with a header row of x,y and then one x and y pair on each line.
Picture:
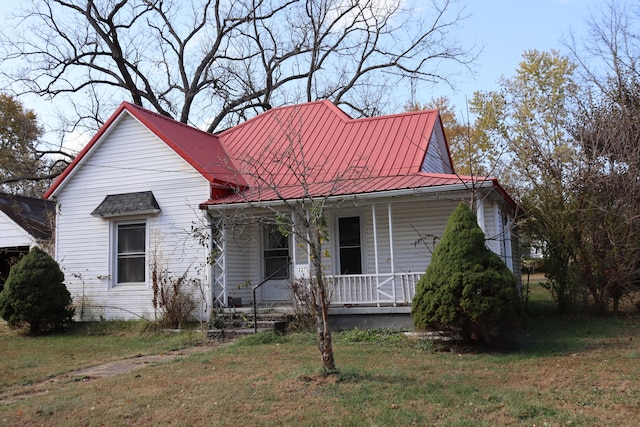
x,y
214,63
292,189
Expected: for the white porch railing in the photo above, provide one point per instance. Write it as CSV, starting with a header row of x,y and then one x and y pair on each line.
x,y
398,288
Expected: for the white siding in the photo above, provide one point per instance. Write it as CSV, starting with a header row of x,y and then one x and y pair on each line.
x,y
412,220
418,223
243,262
412,217
12,235
128,159
437,158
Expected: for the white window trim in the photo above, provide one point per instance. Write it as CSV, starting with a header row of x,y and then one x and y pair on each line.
x,y
113,251
262,229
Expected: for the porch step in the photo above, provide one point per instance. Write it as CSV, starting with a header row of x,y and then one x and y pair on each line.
x,y
240,321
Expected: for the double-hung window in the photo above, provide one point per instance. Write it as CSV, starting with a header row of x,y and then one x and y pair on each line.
x,y
276,253
131,252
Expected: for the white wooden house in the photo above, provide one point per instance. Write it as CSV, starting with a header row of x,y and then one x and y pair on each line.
x,y
25,222
149,191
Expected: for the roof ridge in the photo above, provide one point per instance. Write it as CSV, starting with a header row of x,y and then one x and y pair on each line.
x,y
327,103
167,118
396,115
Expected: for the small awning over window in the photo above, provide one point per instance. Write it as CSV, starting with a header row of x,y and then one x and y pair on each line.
x,y
142,203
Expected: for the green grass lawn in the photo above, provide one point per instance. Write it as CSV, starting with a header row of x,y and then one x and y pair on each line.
x,y
568,370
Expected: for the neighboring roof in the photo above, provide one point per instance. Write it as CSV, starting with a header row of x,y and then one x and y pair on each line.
x,y
127,204
34,215
200,149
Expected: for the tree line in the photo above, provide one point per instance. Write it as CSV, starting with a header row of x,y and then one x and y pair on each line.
x,y
562,135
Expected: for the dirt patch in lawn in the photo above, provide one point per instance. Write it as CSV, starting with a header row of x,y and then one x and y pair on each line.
x,y
104,370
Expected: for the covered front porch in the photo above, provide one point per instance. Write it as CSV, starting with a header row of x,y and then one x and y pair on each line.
x,y
375,251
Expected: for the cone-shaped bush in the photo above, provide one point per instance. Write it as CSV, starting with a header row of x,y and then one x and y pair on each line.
x,y
35,294
467,288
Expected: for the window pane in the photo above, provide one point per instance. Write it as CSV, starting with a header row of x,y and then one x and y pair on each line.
x,y
350,261
349,231
271,265
130,269
131,238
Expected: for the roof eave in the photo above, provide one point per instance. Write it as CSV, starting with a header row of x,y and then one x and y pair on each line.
x,y
359,196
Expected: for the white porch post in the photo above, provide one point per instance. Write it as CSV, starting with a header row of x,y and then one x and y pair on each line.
x,y
375,238
499,231
293,239
375,252
507,243
218,245
393,264
223,257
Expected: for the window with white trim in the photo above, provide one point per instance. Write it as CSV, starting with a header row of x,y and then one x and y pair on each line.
x,y
275,252
349,245
130,245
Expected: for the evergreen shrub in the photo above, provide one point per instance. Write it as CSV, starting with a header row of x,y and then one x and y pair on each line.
x,y
35,294
467,289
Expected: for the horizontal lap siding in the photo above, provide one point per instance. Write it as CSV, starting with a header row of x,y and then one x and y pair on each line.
x,y
12,235
411,221
412,217
129,159
243,262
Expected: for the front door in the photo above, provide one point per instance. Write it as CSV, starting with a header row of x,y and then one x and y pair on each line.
x,y
275,260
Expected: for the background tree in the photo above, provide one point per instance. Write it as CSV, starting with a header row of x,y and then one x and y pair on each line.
x,y
35,294
472,151
572,145
606,130
467,288
19,132
213,63
529,118
25,167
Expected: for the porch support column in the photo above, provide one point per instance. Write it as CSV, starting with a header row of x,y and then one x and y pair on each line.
x,y
225,293
393,264
218,270
375,250
293,240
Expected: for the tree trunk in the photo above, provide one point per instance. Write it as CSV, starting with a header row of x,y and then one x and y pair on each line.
x,y
321,303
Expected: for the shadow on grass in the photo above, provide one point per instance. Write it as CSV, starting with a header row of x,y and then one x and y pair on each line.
x,y
550,333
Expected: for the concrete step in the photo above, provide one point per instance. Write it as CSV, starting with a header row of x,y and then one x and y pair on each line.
x,y
239,321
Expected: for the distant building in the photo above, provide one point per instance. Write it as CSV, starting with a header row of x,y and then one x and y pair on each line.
x,y
25,222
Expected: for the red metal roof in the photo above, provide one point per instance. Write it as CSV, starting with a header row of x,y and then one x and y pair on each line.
x,y
200,149
345,187
312,149
325,144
